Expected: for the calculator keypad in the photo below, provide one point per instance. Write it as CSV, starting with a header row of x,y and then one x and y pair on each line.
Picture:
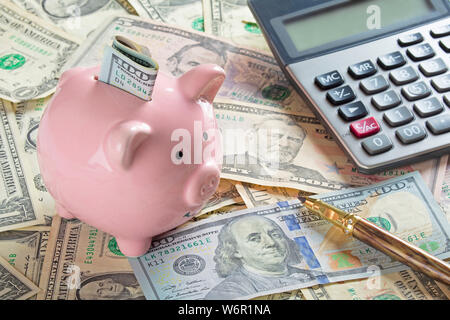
x,y
352,111
440,31
439,125
416,91
433,67
362,69
428,107
403,99
341,95
329,80
420,52
441,83
374,85
386,100
410,39
364,128
391,60
377,144
403,76
398,116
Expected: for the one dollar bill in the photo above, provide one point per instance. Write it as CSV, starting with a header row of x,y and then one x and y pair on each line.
x,y
14,285
19,204
32,54
284,247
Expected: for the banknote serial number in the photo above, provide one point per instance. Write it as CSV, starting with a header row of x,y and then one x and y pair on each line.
x,y
181,247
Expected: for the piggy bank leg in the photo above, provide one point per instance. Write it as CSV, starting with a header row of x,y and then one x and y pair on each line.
x,y
133,248
63,213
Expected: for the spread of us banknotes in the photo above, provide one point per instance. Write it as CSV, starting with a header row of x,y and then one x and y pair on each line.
x,y
253,239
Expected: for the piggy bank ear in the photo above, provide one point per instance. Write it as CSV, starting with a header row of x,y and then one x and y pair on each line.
x,y
203,81
123,140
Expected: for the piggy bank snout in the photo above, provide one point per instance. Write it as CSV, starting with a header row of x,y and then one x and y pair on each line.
x,y
202,185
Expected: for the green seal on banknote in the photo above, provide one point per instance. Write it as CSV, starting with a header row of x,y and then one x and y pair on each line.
x,y
275,92
12,61
252,28
381,222
198,24
114,248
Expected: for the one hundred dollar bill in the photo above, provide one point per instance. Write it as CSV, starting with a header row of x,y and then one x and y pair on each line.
x,y
284,247
14,285
84,263
32,54
403,285
252,76
129,66
187,14
19,204
253,195
76,17
25,251
28,115
233,19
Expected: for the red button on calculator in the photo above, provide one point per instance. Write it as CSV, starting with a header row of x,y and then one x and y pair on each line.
x,y
365,127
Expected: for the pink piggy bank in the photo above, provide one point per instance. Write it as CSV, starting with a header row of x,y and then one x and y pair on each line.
x,y
130,167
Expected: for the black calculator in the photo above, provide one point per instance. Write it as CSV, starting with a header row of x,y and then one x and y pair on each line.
x,y
375,72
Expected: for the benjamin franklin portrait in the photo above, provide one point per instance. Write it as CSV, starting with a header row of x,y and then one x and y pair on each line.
x,y
255,255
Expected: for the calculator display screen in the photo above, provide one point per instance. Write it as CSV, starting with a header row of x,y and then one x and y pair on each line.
x,y
358,17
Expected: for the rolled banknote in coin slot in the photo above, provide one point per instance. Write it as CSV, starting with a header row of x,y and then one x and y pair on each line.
x,y
129,66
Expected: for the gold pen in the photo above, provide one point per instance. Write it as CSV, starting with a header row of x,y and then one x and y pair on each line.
x,y
380,239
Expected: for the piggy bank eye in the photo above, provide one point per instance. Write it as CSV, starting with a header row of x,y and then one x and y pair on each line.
x,y
179,154
205,136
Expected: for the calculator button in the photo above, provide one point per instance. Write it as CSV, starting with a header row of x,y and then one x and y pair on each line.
x,y
447,99
442,83
410,134
428,107
440,31
391,60
329,80
365,127
377,144
398,116
433,67
386,100
362,69
416,91
403,76
445,44
341,95
420,52
439,125
374,85
352,111
410,39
